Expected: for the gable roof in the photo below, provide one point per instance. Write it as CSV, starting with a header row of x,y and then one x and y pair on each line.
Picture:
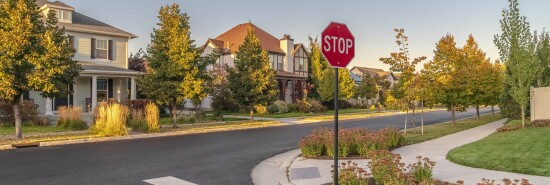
x,y
233,38
57,4
297,47
85,24
82,23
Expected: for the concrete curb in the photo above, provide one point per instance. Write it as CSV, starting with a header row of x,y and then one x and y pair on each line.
x,y
274,170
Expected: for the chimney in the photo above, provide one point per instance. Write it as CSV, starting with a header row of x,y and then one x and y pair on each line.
x,y
287,45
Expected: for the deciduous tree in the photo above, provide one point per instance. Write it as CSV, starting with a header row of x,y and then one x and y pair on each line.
x,y
518,50
450,75
345,85
252,81
402,62
34,55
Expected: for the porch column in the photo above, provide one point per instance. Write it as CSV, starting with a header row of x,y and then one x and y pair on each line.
x,y
133,89
49,110
75,95
94,93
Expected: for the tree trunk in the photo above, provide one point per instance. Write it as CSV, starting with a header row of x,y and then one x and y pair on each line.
x,y
522,116
477,112
252,113
493,109
453,113
414,115
406,119
17,116
422,118
173,110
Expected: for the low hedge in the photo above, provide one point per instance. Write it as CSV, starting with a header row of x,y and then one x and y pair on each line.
x,y
352,142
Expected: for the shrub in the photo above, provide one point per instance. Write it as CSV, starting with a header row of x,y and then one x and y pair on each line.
x,y
272,109
138,104
308,106
312,146
282,106
343,104
71,117
293,107
351,174
506,181
422,170
394,136
138,125
152,117
386,168
27,110
371,142
110,120
260,109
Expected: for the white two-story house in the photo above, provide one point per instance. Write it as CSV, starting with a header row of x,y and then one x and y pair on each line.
x,y
289,59
102,51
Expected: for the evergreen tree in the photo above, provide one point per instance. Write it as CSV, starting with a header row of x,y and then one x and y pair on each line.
x,y
367,88
346,85
252,81
34,54
175,71
517,49
317,64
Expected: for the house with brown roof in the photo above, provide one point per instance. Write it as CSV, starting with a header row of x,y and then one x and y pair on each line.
x,y
102,51
289,59
373,72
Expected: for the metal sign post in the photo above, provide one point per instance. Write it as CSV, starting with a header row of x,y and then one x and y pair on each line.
x,y
338,47
336,126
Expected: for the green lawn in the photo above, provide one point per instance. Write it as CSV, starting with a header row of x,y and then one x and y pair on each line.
x,y
438,130
525,151
10,130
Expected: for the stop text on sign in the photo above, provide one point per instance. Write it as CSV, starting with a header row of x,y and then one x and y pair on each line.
x,y
342,45
338,45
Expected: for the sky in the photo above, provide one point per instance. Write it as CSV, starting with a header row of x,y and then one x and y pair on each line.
x,y
371,22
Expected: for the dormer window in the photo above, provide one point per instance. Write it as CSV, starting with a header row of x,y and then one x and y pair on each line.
x,y
63,15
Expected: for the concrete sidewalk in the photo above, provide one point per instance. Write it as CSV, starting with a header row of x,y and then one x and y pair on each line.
x,y
300,171
446,170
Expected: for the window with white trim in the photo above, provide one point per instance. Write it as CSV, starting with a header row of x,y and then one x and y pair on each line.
x,y
63,15
102,90
101,48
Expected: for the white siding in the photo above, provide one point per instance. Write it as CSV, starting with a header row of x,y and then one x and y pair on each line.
x,y
83,49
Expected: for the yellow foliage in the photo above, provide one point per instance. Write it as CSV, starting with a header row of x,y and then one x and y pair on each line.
x,y
152,117
110,120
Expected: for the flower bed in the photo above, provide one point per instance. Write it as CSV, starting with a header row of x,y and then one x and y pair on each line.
x,y
353,142
387,168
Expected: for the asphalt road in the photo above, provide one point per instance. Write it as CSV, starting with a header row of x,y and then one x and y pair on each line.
x,y
222,158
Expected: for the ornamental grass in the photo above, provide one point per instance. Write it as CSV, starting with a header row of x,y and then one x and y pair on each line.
x,y
152,117
110,120
71,117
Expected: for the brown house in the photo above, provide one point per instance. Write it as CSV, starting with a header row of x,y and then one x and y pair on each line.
x,y
289,59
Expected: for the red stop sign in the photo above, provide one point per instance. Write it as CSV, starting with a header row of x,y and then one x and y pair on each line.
x,y
338,45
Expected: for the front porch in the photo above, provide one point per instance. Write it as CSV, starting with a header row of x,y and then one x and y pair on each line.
x,y
292,87
96,83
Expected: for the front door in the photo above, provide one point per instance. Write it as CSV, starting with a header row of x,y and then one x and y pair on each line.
x,y
64,100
